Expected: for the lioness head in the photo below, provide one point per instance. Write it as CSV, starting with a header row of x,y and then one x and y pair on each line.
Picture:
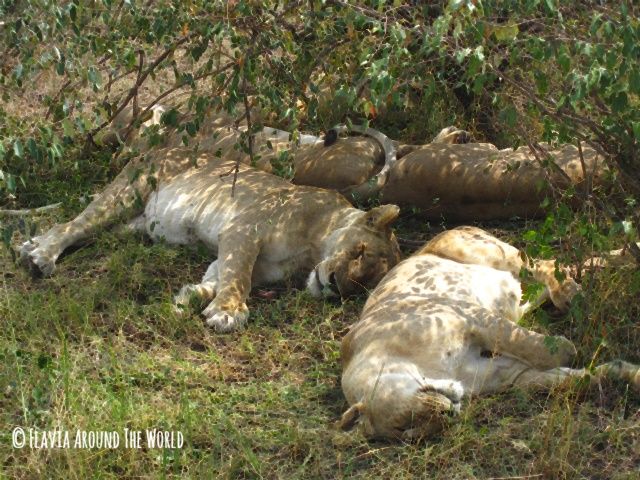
x,y
358,256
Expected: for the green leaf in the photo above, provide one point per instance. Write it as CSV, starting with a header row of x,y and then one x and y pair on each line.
x,y
542,83
67,128
636,130
17,148
192,129
564,61
455,5
478,84
509,116
18,71
170,118
7,234
55,151
504,33
32,146
11,183
619,102
94,76
634,81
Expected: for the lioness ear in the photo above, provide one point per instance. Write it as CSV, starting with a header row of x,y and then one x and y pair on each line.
x,y
350,417
382,216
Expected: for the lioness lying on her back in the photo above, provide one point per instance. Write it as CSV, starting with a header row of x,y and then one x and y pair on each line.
x,y
441,326
265,230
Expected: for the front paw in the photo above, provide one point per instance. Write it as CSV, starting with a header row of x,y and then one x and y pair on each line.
x,y
35,260
225,320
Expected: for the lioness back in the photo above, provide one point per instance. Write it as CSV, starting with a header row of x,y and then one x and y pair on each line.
x,y
199,203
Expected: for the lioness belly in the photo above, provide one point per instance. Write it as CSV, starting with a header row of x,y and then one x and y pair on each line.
x,y
191,207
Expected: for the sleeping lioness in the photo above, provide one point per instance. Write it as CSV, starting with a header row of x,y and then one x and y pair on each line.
x,y
442,326
262,230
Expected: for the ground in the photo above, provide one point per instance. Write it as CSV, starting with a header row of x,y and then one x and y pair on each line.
x,y
97,347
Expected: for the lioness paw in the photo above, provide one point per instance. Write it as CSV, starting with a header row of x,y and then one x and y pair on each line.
x,y
34,259
224,320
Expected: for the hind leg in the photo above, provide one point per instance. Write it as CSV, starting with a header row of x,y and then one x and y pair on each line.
x,y
473,245
616,369
40,253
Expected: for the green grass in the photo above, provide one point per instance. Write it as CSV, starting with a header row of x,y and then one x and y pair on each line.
x,y
97,347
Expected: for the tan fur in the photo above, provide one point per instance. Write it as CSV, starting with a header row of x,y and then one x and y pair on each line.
x,y
452,135
442,326
346,163
478,182
350,161
449,177
267,230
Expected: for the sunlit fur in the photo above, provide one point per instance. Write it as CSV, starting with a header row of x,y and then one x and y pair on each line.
x,y
262,229
442,326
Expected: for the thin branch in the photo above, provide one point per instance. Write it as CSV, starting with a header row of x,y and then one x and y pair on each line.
x,y
141,78
135,96
71,85
166,93
30,211
585,174
247,116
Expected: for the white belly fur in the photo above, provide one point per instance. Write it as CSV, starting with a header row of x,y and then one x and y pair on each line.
x,y
191,208
181,213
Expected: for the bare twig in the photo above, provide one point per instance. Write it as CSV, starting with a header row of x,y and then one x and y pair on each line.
x,y
587,175
166,93
70,85
30,211
135,96
247,116
141,78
